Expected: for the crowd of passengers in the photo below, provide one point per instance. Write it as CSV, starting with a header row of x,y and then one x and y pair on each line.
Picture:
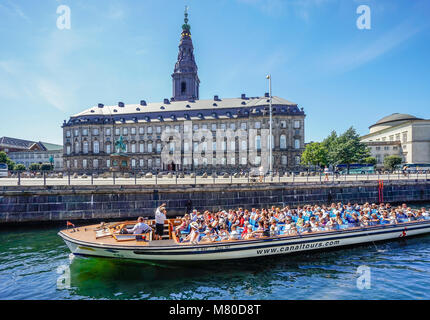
x,y
244,224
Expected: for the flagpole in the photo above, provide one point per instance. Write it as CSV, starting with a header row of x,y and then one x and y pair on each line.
x,y
270,127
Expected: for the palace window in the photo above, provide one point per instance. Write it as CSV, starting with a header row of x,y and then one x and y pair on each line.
x,y
133,130
125,131
283,142
141,130
85,132
68,134
150,147
133,148
96,147
108,132
96,163
95,132
296,124
108,163
284,160
108,148
149,130
141,147
85,148
297,144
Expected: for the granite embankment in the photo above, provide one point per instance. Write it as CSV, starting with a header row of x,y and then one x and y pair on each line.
x,y
20,204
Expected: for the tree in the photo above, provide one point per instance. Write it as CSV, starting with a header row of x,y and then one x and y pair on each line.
x,y
20,167
370,160
348,149
5,159
46,167
329,144
315,154
34,167
391,162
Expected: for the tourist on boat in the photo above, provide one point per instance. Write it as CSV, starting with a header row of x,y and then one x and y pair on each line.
x,y
160,218
194,234
223,233
234,234
249,233
139,228
182,227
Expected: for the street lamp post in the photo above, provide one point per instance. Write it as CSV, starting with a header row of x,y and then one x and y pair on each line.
x,y
269,77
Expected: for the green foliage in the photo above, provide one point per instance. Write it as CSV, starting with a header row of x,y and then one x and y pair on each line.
x,y
5,159
315,154
34,167
20,167
46,167
329,144
348,149
345,148
391,162
370,160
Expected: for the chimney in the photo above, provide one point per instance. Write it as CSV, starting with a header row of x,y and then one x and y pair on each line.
x,y
166,101
216,98
266,95
142,102
101,105
121,104
243,96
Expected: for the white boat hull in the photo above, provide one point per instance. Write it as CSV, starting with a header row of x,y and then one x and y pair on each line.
x,y
249,248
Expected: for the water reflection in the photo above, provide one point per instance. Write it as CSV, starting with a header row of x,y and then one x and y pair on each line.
x,y
299,276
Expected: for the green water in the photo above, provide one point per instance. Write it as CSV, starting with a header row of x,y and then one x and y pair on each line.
x,y
36,264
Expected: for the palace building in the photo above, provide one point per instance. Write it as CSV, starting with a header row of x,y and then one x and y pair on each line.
x,y
90,137
400,134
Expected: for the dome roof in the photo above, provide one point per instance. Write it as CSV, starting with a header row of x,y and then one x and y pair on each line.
x,y
395,117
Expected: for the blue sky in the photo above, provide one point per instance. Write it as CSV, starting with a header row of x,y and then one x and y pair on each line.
x,y
126,50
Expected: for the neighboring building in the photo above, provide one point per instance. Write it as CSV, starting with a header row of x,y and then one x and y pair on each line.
x,y
8,144
400,134
90,136
50,151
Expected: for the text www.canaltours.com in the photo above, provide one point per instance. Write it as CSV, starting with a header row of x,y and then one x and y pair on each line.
x,y
299,247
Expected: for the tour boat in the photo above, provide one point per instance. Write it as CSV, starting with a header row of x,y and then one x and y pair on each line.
x,y
105,240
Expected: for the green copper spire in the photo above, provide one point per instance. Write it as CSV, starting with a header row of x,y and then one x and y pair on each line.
x,y
186,27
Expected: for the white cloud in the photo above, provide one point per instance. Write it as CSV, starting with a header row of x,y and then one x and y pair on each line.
x,y
359,53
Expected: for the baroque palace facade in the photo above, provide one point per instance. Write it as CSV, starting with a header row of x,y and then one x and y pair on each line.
x,y
90,136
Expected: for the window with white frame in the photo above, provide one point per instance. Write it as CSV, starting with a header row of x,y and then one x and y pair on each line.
x,y
283,142
96,147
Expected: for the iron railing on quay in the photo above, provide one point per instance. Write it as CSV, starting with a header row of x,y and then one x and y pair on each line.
x,y
157,177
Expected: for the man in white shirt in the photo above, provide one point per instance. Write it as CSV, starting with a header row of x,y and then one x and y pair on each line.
x,y
139,228
160,217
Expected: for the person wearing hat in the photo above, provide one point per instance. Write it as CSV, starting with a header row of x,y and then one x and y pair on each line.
x,y
194,234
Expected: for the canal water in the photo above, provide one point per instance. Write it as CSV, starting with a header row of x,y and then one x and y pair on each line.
x,y
36,264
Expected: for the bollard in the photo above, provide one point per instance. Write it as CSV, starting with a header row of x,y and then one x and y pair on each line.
x,y
44,178
135,178
68,177
113,176
92,178
19,178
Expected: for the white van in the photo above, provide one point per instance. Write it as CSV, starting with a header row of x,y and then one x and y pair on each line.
x,y
3,170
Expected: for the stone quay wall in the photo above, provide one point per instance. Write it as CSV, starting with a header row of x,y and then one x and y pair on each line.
x,y
61,203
